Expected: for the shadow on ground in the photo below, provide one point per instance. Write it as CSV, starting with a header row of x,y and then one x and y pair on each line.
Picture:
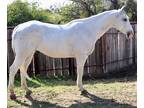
x,y
96,102
37,104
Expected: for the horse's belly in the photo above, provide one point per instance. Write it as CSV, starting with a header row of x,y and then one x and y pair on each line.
x,y
56,54
55,50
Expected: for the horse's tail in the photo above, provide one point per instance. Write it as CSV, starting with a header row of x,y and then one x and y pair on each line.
x,y
26,75
14,33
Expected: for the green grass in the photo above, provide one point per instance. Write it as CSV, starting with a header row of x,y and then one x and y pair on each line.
x,y
58,93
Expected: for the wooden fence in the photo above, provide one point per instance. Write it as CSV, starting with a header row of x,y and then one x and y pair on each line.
x,y
112,53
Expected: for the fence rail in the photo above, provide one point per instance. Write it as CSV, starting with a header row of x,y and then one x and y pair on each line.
x,y
112,52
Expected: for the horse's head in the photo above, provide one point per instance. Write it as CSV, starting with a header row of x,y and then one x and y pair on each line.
x,y
121,22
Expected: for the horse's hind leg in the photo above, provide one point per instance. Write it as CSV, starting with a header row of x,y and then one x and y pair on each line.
x,y
12,72
23,70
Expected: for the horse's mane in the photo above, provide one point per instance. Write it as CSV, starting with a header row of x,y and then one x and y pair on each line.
x,y
93,16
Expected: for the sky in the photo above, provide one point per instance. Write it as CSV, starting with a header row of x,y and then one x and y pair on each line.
x,y
46,3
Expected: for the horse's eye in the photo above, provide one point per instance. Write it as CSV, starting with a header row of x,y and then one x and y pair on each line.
x,y
125,19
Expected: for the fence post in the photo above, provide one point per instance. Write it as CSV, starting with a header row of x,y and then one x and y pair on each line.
x,y
36,64
71,68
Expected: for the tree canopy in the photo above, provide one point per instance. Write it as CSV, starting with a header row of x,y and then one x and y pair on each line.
x,y
86,8
19,12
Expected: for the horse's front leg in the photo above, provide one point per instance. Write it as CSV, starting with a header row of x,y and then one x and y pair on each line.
x,y
80,67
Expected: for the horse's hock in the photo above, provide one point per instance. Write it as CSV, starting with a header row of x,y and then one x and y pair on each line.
x,y
111,54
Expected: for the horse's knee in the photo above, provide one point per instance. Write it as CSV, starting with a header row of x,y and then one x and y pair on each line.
x,y
12,74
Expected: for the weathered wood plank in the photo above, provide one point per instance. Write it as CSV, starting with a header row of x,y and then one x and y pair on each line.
x,y
50,67
65,67
58,66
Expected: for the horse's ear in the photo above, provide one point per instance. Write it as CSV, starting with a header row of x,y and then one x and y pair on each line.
x,y
123,7
121,10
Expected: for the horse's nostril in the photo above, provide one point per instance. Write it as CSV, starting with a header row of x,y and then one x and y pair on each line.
x,y
130,33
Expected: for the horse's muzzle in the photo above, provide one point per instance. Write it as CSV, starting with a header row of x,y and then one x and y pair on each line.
x,y
130,34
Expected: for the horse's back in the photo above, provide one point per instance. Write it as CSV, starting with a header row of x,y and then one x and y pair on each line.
x,y
51,39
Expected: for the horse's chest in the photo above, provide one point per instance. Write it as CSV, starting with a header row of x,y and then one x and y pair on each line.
x,y
84,47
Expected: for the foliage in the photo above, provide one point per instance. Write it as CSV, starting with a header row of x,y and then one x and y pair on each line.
x,y
80,9
68,13
115,4
86,8
131,7
19,12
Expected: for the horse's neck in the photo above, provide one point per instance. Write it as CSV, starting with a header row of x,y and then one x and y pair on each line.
x,y
100,24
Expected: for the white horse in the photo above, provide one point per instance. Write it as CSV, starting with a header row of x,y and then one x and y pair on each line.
x,y
75,39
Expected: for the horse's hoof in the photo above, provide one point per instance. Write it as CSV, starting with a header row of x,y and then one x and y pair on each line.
x,y
13,97
84,92
28,93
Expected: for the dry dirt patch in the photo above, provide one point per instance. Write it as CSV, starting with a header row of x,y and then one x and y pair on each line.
x,y
105,93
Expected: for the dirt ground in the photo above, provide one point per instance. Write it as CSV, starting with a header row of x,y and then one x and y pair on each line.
x,y
103,93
